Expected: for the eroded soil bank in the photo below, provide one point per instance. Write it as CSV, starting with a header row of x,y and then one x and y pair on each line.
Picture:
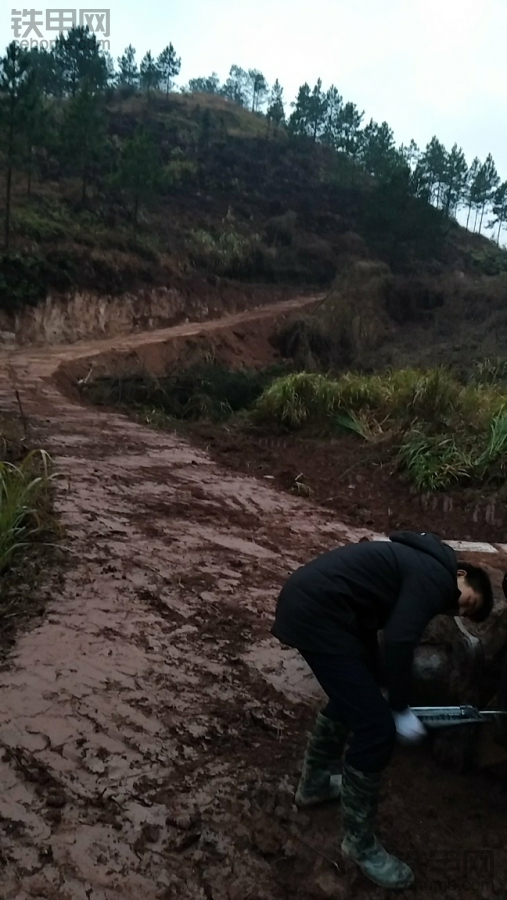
x,y
153,729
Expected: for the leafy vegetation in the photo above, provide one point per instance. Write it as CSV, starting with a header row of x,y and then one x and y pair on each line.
x,y
442,431
437,429
203,391
24,493
28,530
227,253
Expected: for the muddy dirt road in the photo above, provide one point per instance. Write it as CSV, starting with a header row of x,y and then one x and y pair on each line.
x,y
154,727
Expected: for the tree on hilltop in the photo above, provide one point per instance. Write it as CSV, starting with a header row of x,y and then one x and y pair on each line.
x,y
499,209
276,109
310,110
77,59
128,75
150,73
207,85
257,87
236,86
169,66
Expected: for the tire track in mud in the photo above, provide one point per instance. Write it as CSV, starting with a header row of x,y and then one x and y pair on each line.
x,y
152,729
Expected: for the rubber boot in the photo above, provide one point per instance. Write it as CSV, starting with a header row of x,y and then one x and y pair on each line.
x,y
360,795
323,753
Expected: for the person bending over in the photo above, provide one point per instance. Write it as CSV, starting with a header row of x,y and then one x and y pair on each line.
x,y
331,610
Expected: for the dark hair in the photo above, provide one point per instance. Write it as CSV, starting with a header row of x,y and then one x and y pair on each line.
x,y
478,579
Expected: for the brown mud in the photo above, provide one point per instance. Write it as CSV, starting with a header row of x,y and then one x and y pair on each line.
x,y
152,728
360,482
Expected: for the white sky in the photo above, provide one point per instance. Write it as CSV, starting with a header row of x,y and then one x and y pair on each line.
x,y
425,66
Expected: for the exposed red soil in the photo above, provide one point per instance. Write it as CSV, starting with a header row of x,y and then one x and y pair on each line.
x,y
153,728
360,482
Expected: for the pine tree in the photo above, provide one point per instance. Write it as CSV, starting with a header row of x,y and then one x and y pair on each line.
x,y
128,75
43,65
276,109
411,154
36,122
83,135
499,209
455,180
298,122
332,131
485,187
111,71
209,85
419,184
140,169
257,89
317,110
78,58
378,154
169,66
150,73
310,111
433,164
350,139
14,74
470,189
236,86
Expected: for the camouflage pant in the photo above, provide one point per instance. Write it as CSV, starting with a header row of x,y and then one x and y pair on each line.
x,y
320,780
360,796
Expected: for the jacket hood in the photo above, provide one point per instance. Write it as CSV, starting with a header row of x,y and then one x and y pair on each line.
x,y
428,543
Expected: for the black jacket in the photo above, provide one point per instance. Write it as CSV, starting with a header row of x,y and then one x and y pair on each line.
x,y
338,602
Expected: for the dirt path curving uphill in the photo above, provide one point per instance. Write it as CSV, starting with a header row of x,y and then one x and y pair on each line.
x,y
153,728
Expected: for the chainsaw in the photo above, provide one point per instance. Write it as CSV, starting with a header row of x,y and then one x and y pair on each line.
x,y
446,716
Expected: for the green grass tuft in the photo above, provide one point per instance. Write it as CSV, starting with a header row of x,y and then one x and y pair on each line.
x,y
23,491
442,432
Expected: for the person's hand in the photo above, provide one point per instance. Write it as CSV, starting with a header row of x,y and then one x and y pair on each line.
x,y
408,727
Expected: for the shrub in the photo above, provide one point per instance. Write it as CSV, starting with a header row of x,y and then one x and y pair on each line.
x,y
229,253
318,258
203,391
306,341
179,172
23,281
43,225
490,371
354,311
434,463
281,230
488,261
295,400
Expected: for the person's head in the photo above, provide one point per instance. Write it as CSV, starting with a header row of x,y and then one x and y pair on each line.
x,y
476,600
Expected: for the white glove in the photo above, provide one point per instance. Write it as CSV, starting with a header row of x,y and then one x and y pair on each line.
x,y
408,727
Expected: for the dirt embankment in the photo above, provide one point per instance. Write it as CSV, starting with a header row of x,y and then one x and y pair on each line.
x,y
83,315
153,729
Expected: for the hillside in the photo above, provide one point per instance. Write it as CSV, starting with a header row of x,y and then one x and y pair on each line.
x,y
212,194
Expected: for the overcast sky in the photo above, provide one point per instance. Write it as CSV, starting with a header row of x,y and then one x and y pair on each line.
x,y
425,66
